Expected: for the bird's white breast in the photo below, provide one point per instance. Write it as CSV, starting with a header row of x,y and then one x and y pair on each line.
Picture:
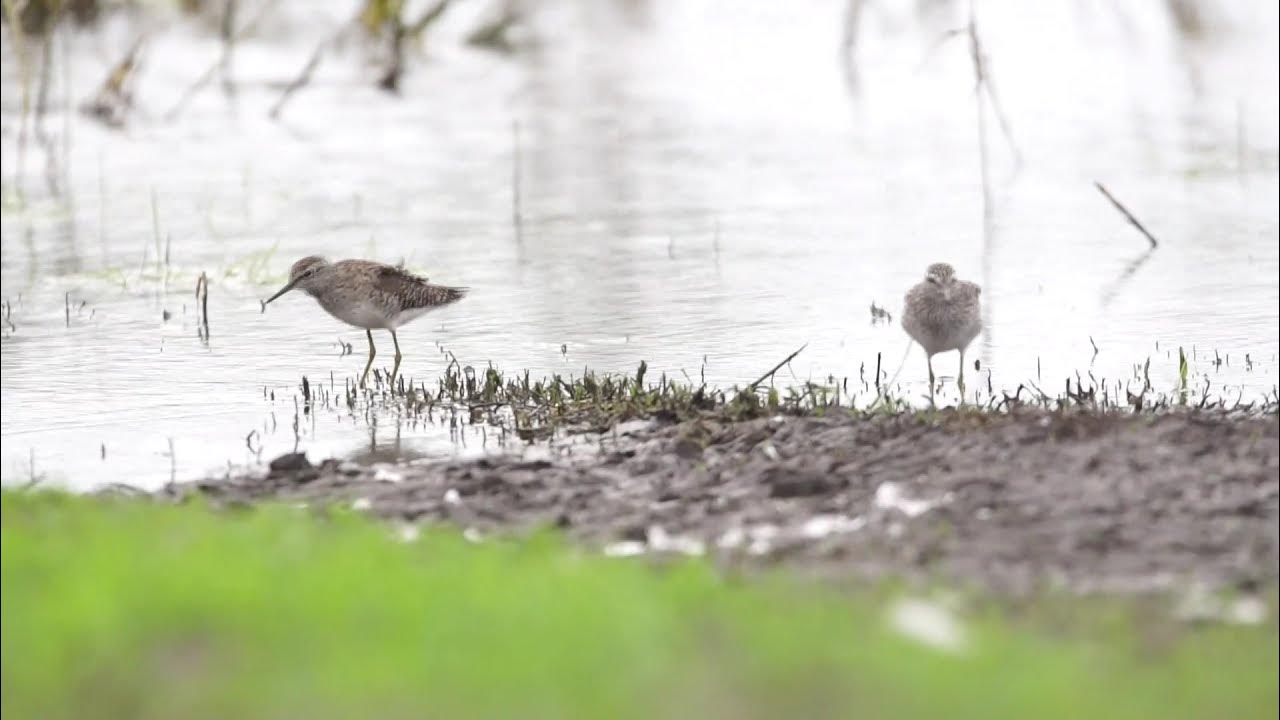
x,y
362,314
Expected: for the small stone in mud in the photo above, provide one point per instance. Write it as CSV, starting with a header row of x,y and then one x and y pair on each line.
x,y
687,449
788,482
290,462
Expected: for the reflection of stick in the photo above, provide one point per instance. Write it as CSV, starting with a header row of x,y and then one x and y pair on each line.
x,y
849,42
515,178
115,97
492,33
986,84
1128,215
227,31
221,64
1129,271
303,78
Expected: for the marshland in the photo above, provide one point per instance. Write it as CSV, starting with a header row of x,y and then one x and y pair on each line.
x,y
686,230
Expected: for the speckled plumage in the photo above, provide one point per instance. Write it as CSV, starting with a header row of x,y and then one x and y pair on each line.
x,y
943,313
368,295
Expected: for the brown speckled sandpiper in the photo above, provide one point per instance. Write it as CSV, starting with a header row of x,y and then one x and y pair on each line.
x,y
943,313
368,295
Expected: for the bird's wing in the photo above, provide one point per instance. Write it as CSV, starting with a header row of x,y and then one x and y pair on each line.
x,y
412,291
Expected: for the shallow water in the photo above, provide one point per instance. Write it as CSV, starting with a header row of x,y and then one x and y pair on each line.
x,y
698,186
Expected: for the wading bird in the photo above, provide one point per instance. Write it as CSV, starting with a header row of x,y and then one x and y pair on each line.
x,y
943,313
368,295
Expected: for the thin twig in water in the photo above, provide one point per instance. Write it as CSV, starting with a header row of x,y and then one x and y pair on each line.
x,y
776,368
1128,215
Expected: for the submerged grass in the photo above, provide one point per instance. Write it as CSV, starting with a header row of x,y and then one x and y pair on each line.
x,y
596,402
115,608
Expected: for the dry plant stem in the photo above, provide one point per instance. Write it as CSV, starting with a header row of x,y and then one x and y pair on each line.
x,y
1128,215
776,368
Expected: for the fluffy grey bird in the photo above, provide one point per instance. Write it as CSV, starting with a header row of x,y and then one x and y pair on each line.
x,y
368,295
943,313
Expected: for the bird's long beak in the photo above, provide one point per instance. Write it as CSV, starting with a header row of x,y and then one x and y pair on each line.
x,y
283,290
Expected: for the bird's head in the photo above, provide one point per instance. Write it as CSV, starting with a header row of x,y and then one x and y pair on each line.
x,y
301,274
940,274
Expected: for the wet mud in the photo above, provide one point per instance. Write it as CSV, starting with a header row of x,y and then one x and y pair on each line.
x,y
1015,502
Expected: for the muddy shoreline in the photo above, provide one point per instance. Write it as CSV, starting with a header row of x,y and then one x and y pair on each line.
x,y
1014,502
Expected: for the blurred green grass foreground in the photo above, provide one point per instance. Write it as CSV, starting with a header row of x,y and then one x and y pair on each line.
x,y
128,609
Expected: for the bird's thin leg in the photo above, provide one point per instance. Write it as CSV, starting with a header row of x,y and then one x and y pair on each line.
x,y
372,354
960,379
396,367
929,359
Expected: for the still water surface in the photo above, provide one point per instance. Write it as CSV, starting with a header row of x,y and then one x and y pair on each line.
x,y
699,184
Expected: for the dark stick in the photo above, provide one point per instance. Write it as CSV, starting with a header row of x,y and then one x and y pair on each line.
x,y
777,367
1128,215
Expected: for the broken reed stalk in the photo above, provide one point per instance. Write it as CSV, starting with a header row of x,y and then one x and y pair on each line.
x,y
202,297
776,368
1128,215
